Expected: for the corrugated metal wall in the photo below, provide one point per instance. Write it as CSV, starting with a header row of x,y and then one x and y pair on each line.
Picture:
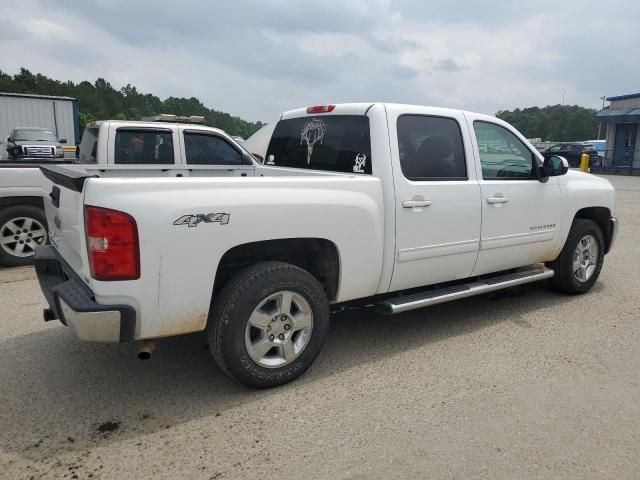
x,y
56,115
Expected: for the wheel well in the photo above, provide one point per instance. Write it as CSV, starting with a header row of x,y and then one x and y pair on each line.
x,y
601,216
12,201
318,256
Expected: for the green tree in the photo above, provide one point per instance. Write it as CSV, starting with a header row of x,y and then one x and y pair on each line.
x,y
553,122
84,119
100,101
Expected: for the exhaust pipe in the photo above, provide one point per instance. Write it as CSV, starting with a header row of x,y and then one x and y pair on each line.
x,y
145,351
48,315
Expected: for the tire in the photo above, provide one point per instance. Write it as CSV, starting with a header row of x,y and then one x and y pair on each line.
x,y
255,295
565,279
13,253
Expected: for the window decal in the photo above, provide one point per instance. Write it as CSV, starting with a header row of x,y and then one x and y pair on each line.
x,y
312,133
361,160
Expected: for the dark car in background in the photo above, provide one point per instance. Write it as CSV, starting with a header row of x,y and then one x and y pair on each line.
x,y
30,143
573,151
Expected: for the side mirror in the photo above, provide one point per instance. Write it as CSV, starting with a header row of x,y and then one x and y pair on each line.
x,y
63,140
555,165
8,139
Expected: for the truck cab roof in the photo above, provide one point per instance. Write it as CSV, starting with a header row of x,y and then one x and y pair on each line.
x,y
359,108
158,125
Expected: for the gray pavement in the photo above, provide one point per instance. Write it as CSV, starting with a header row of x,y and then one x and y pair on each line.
x,y
527,385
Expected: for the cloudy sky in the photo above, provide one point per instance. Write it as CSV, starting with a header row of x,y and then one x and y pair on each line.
x,y
256,58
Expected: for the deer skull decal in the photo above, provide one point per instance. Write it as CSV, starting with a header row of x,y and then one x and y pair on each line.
x,y
312,133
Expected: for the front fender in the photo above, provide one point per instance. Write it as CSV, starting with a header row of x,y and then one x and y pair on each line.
x,y
579,191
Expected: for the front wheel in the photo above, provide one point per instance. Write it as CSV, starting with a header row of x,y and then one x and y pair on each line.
x,y
268,324
580,262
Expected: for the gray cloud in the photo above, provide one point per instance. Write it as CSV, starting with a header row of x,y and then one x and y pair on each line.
x,y
256,58
447,65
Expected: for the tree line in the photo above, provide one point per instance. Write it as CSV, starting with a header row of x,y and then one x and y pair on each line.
x,y
554,122
100,101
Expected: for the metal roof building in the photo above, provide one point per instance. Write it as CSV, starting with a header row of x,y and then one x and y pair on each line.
x,y
622,118
58,114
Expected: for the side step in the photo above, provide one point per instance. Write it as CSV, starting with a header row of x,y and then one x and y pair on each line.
x,y
391,306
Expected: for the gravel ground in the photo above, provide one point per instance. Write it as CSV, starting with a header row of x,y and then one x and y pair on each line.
x,y
531,384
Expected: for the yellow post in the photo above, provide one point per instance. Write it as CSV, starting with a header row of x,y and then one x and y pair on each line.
x,y
584,162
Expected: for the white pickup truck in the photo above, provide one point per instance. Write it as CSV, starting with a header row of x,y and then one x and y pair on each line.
x,y
172,147
397,205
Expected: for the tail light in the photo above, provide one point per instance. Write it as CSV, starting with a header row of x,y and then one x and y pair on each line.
x,y
112,244
321,109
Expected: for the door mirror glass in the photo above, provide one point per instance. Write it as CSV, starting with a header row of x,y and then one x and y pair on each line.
x,y
555,165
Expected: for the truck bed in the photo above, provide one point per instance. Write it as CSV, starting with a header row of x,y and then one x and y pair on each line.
x,y
179,260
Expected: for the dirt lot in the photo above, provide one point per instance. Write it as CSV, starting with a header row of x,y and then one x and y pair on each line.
x,y
527,385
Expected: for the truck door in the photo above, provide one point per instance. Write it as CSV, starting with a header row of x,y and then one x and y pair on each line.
x,y
520,215
437,196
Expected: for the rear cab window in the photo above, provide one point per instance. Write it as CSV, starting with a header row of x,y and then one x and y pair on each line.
x,y
87,152
336,143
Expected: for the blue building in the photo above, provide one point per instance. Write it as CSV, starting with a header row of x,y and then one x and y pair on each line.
x,y
622,118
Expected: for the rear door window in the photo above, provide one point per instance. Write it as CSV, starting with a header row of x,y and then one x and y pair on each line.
x,y
431,148
337,143
206,149
143,147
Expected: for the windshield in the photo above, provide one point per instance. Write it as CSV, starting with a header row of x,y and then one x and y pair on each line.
x,y
34,135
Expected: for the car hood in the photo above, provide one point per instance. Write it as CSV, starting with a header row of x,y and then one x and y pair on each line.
x,y
37,142
584,176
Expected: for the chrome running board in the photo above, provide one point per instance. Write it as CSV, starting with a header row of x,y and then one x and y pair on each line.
x,y
391,306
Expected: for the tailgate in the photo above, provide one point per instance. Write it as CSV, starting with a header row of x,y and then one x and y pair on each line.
x,y
65,217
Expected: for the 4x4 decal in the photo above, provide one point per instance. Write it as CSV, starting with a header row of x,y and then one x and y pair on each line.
x,y
197,218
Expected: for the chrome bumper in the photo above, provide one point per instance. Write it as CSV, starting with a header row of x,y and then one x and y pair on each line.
x,y
101,326
71,301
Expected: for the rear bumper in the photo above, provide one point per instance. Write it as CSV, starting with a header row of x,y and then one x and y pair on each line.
x,y
71,301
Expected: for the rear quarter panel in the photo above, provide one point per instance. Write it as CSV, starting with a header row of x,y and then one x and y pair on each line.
x,y
179,263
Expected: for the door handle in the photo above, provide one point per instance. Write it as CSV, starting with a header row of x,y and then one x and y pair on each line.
x,y
497,199
416,203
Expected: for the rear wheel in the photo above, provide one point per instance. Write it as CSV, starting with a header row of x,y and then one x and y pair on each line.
x,y
580,262
268,324
22,229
